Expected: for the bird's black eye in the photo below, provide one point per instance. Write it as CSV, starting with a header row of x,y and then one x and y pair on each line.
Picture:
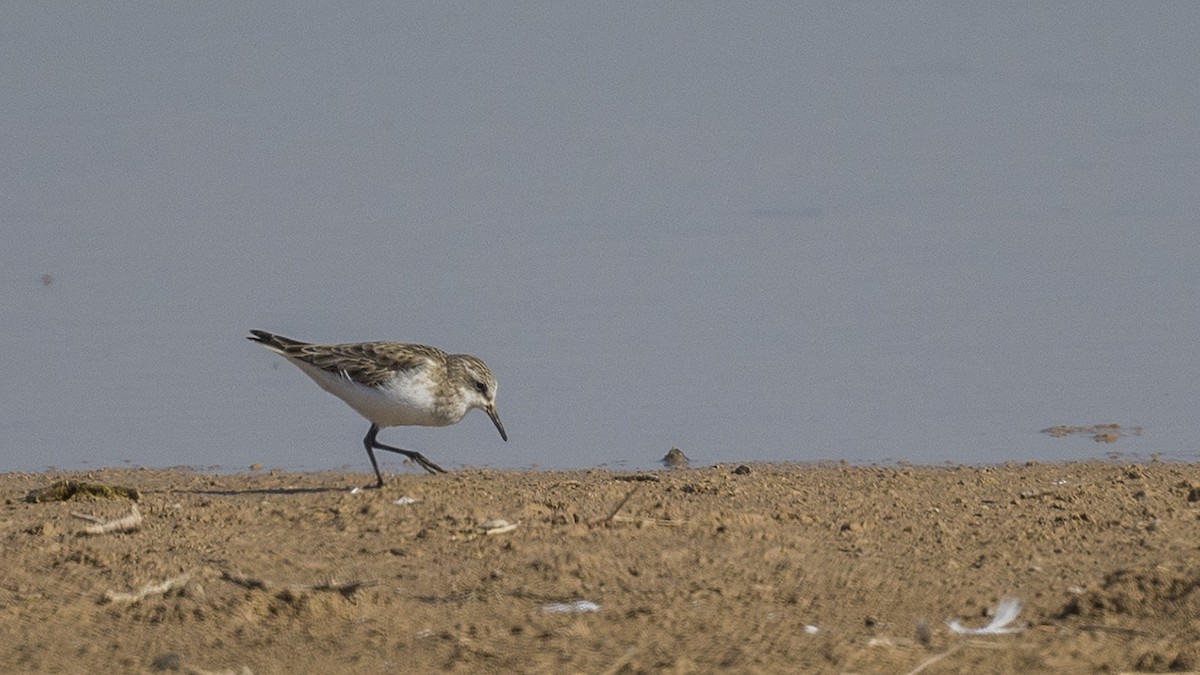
x,y
481,387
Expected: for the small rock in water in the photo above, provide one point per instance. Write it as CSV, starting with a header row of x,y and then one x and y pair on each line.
x,y
675,459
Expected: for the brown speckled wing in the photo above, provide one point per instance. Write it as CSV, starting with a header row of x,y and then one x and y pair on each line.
x,y
368,363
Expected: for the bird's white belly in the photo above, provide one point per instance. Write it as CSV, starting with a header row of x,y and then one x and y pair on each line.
x,y
402,401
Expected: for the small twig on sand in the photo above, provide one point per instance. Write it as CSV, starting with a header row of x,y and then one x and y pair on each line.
x,y
621,505
346,589
967,643
124,524
647,521
620,663
148,589
934,659
1116,630
244,580
254,583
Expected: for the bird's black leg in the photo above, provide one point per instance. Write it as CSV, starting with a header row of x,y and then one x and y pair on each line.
x,y
370,443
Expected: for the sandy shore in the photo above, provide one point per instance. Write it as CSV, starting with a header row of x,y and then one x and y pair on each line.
x,y
787,568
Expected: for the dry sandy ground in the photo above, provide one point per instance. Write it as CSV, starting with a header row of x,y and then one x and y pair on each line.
x,y
794,568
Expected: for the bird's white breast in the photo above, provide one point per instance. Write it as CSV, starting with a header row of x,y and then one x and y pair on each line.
x,y
406,399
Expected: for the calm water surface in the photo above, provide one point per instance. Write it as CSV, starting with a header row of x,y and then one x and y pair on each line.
x,y
866,232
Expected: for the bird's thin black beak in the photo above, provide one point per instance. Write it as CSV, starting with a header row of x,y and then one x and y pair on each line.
x,y
491,411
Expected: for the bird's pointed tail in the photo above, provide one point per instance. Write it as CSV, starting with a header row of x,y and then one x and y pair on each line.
x,y
276,343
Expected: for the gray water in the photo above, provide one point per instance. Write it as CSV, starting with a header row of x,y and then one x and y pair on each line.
x,y
873,232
